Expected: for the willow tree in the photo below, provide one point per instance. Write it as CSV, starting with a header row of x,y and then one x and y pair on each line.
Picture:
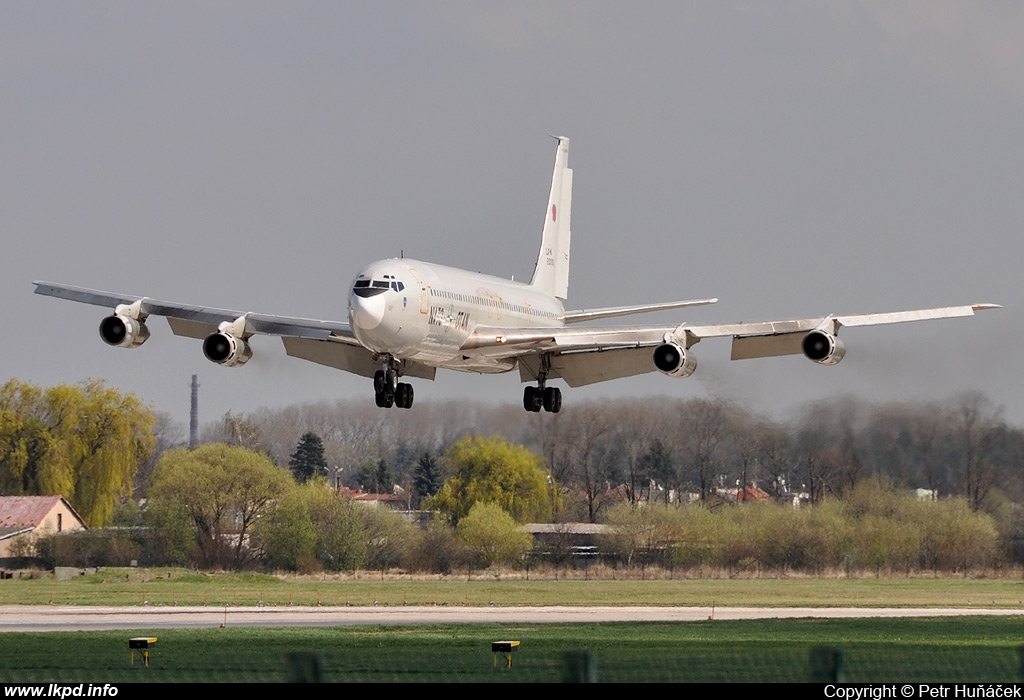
x,y
492,470
83,442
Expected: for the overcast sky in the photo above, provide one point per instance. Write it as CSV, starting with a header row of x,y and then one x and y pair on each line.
x,y
790,158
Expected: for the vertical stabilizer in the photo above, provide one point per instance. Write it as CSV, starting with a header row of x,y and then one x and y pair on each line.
x,y
552,272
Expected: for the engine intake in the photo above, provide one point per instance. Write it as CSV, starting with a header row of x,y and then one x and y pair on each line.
x,y
123,331
823,348
227,350
675,361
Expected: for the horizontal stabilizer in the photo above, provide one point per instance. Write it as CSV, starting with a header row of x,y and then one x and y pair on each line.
x,y
612,311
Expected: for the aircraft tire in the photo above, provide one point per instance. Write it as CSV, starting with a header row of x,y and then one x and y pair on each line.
x,y
403,395
529,393
552,399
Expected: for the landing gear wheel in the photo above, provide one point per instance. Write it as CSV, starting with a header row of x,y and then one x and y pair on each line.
x,y
378,397
533,399
403,395
552,399
379,382
391,381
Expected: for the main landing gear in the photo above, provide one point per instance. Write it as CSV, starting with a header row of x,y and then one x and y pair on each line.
x,y
547,397
388,391
537,397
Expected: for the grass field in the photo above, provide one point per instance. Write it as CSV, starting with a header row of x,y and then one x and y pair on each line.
x,y
130,587
873,650
972,649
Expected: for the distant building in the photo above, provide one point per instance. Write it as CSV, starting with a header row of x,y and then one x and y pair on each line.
x,y
738,495
28,517
388,500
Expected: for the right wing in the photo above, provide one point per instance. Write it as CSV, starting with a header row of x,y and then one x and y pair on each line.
x,y
324,342
329,343
200,321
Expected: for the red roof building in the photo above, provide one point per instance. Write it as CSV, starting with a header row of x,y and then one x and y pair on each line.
x,y
34,516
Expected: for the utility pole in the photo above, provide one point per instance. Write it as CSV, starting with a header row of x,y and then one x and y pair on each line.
x,y
193,423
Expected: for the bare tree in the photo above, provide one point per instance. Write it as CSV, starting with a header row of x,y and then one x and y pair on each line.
x,y
703,426
975,430
576,448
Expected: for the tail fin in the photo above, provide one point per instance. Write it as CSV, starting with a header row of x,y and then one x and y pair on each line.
x,y
552,271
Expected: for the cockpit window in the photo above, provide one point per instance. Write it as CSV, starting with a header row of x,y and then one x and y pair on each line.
x,y
365,288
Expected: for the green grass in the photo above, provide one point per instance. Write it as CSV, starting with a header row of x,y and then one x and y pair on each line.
x,y
972,649
130,587
873,650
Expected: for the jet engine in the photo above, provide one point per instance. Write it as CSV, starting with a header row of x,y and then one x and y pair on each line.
x,y
227,350
123,331
823,348
673,360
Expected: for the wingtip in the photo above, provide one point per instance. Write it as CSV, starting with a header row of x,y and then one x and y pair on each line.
x,y
983,307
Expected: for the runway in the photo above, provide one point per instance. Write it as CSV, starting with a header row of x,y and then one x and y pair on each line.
x,y
14,618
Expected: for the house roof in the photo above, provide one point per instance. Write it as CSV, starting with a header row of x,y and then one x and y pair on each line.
x,y
382,497
29,511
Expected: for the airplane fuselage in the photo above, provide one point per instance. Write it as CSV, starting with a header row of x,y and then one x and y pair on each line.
x,y
424,312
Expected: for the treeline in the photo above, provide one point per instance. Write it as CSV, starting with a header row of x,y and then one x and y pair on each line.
x,y
230,508
619,464
874,529
654,448
312,528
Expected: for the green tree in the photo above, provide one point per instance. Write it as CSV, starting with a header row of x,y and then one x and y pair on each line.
x,y
224,490
308,459
341,541
287,538
492,536
426,476
389,537
314,528
84,442
491,470
375,479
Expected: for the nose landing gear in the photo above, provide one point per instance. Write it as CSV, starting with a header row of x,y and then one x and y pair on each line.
x,y
388,391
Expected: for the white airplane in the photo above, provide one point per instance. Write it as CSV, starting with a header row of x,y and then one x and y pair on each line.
x,y
408,318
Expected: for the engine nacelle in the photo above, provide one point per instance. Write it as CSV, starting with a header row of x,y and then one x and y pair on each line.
x,y
823,348
227,350
675,361
123,331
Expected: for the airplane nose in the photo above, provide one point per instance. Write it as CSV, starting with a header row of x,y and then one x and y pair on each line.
x,y
368,312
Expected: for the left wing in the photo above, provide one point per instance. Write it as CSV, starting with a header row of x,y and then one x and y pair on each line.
x,y
583,356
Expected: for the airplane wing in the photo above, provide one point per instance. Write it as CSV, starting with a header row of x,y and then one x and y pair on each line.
x,y
583,356
329,343
200,321
609,312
